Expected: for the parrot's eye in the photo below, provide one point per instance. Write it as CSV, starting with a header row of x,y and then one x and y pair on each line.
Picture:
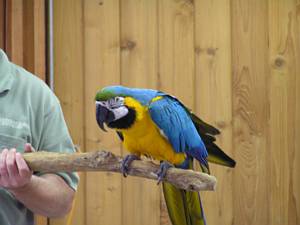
x,y
116,102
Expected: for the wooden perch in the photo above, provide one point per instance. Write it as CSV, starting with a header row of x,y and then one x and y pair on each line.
x,y
106,161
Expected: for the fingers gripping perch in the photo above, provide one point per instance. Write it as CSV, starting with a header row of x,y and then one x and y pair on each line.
x,y
14,172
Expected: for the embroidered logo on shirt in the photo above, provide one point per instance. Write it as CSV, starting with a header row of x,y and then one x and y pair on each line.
x,y
13,123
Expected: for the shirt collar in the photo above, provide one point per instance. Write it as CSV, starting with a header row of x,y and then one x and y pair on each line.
x,y
6,78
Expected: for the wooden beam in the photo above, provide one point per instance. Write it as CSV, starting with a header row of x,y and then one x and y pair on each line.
x,y
106,161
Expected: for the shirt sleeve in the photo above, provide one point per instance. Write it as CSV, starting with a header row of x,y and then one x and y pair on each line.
x,y
55,137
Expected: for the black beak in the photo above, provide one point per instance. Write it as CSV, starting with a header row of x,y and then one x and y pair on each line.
x,y
103,115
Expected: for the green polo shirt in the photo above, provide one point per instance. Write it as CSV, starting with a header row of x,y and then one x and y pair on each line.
x,y
29,112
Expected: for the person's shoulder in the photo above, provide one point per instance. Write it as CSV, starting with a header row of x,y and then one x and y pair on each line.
x,y
27,78
33,87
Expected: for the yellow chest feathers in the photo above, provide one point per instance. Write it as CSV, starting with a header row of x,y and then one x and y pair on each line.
x,y
145,138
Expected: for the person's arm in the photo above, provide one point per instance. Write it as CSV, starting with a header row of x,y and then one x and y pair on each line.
x,y
38,194
48,195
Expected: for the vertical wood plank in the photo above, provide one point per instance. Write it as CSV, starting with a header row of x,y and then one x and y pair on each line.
x,y
213,93
176,49
250,111
2,24
284,57
139,43
40,220
141,198
102,68
295,195
14,31
34,40
69,86
176,56
25,34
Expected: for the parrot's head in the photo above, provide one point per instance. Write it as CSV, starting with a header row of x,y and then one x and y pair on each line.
x,y
112,110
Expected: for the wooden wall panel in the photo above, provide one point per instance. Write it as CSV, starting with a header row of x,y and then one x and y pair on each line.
x,y
176,52
213,96
14,31
284,57
2,24
68,80
234,62
294,194
139,69
102,68
34,40
25,34
250,111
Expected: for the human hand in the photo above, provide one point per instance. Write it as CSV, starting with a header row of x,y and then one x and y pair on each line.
x,y
14,172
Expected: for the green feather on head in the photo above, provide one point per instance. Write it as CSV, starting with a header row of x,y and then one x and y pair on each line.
x,y
104,95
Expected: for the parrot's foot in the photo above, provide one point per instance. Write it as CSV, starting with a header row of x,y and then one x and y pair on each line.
x,y
164,167
126,163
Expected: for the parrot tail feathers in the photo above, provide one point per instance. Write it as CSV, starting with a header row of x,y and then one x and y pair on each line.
x,y
207,133
217,156
184,207
203,127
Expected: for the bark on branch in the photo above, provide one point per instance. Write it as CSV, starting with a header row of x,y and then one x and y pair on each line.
x,y
106,161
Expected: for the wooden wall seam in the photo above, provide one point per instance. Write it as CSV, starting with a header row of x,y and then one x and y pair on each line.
x,y
2,24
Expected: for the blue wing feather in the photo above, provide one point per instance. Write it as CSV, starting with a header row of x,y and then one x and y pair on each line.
x,y
170,116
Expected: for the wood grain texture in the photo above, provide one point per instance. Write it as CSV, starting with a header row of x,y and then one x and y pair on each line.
x,y
14,31
284,56
139,69
234,62
68,80
176,49
213,93
106,161
249,23
295,186
2,24
40,220
34,40
102,68
25,34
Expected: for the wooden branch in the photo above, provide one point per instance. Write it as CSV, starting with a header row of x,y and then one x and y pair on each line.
x,y
106,161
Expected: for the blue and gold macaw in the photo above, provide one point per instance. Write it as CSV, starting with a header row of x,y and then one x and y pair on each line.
x,y
155,124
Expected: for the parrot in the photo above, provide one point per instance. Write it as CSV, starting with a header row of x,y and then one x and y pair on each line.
x,y
155,124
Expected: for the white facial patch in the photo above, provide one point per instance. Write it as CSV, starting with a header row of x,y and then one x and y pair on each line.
x,y
105,104
116,106
120,112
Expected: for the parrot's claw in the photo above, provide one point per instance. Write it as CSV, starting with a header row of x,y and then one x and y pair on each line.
x,y
164,167
126,163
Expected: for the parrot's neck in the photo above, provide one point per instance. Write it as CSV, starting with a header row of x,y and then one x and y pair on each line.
x,y
141,122
124,122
